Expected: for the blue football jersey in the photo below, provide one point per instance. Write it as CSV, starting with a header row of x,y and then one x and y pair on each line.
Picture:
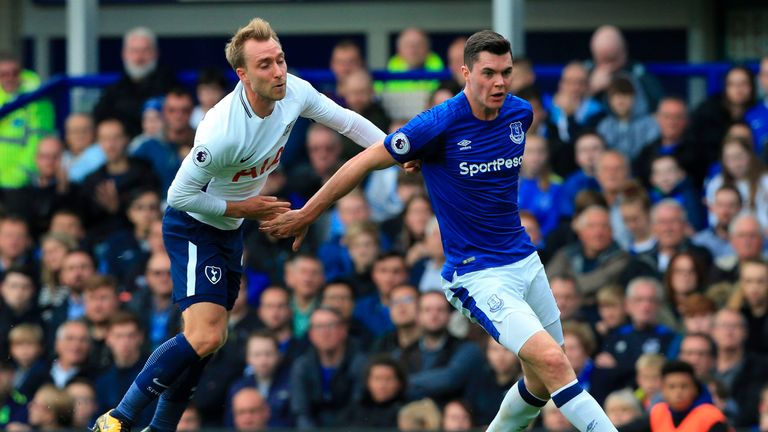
x,y
471,169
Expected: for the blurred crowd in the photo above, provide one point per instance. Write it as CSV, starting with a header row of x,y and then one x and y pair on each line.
x,y
650,217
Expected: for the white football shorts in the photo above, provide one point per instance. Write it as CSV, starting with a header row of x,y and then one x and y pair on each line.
x,y
510,302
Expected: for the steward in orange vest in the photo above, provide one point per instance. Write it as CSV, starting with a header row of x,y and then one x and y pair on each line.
x,y
683,409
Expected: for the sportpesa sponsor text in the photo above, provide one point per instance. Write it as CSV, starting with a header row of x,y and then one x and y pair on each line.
x,y
466,168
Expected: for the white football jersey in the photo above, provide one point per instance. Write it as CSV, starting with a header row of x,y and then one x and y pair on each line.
x,y
235,150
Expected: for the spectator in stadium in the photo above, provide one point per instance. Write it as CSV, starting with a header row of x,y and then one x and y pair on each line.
x,y
669,180
68,221
267,373
142,79
124,338
17,303
426,272
346,59
610,58
436,365
304,277
538,187
340,295
351,208
567,296
275,313
124,252
623,129
413,54
642,335
403,300
324,147
635,208
420,415
489,384
743,373
595,259
20,130
26,351
51,409
82,155
388,271
712,118
672,119
384,394
683,403
12,402
328,376
410,238
166,152
724,207
156,313
83,395
684,276
455,60
610,309
669,224
648,379
552,420
73,345
100,302
622,407
756,116
48,184
363,245
541,123
457,416
588,148
105,191
747,242
612,175
15,243
151,123
523,75
698,314
211,87
359,96
250,410
54,247
751,299
580,346
190,420
698,350
571,109
78,266
387,208
744,170
531,225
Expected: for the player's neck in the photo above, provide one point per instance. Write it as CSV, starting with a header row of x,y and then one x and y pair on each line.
x,y
260,106
480,111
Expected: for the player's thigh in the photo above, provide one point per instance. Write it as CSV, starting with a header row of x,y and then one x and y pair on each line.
x,y
494,298
539,296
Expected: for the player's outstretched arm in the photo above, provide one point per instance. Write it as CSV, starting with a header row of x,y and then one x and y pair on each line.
x,y
295,222
261,208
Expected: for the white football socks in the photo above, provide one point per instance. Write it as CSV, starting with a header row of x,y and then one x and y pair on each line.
x,y
518,409
581,409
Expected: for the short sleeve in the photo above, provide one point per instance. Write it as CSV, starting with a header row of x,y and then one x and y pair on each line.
x,y
414,139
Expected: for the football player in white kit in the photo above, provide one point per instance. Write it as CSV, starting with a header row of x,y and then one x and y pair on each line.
x,y
237,145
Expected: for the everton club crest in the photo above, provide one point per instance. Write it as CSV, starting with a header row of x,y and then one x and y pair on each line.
x,y
517,134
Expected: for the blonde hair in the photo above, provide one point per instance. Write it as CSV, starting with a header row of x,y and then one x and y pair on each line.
x,y
421,415
258,29
26,333
59,402
650,361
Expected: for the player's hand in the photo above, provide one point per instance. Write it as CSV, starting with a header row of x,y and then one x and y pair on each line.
x,y
605,360
260,207
288,224
413,166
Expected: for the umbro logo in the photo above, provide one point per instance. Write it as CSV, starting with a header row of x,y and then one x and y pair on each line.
x,y
464,144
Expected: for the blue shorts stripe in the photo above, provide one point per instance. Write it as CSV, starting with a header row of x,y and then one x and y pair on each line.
x,y
468,303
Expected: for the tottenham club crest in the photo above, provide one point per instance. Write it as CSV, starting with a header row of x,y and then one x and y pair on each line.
x,y
495,303
400,143
517,134
201,156
213,274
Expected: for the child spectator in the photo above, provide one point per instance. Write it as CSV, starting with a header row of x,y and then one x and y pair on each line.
x,y
622,130
622,407
421,415
669,180
457,416
610,308
588,148
384,395
27,354
211,88
539,188
648,378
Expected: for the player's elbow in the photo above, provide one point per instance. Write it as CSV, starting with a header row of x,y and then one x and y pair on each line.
x,y
175,199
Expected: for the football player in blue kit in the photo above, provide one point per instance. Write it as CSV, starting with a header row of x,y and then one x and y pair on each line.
x,y
471,150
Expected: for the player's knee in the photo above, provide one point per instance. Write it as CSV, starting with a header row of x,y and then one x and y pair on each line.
x,y
552,360
206,342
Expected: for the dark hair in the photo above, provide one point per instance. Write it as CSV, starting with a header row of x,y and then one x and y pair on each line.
x,y
633,192
124,317
698,268
388,361
755,169
113,120
529,93
100,281
179,92
750,79
21,270
621,85
710,342
387,255
485,40
212,77
345,282
678,366
264,333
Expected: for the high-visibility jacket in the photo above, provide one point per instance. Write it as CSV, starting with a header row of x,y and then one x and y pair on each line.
x,y
700,419
433,63
21,131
